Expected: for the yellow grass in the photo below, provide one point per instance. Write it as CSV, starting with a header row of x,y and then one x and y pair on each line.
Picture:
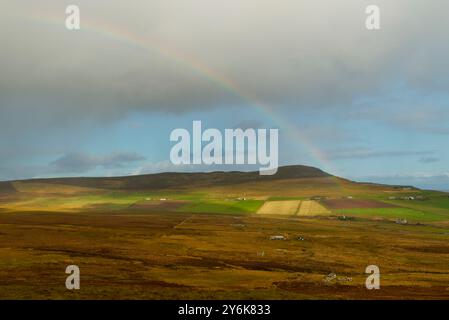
x,y
293,207
289,207
311,208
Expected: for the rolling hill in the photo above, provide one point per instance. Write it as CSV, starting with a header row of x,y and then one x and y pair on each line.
x,y
310,191
178,180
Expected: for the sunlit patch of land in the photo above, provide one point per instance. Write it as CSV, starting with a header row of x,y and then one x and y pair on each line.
x,y
312,208
286,207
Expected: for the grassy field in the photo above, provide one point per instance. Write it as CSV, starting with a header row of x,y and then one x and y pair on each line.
x,y
186,256
209,241
223,206
392,213
312,208
286,207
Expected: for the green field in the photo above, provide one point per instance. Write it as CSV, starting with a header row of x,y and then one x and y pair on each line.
x,y
394,213
223,206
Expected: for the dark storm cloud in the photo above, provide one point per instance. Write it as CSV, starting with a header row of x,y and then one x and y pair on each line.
x,y
289,53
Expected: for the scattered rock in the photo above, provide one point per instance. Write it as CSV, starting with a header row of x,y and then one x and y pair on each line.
x,y
330,277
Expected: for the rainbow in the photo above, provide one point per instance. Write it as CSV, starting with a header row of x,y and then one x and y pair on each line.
x,y
176,56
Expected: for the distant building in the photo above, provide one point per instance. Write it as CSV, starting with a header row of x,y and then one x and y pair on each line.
x,y
277,238
316,198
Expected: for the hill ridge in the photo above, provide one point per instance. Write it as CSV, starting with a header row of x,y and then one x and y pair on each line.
x,y
175,179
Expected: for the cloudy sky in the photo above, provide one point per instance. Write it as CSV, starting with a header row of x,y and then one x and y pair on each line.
x,y
102,101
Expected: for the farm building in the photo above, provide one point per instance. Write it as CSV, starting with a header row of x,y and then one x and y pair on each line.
x,y
317,198
277,238
401,221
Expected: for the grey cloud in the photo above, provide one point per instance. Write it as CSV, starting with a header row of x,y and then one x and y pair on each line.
x,y
429,160
290,53
179,56
73,164
80,162
428,115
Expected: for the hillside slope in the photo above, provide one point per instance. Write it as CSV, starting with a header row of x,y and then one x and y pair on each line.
x,y
180,180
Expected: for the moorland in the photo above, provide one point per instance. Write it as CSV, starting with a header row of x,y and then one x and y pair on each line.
x,y
299,234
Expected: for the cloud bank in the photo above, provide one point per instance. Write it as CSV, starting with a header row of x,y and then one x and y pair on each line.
x,y
291,53
311,61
